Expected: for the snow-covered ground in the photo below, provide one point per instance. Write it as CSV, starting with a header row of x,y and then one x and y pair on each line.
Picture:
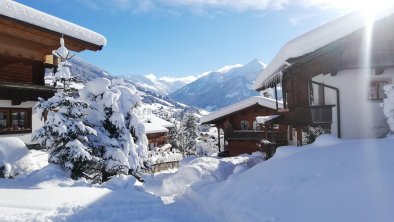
x,y
330,180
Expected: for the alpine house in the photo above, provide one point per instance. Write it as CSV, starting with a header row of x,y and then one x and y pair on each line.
x,y
27,38
333,76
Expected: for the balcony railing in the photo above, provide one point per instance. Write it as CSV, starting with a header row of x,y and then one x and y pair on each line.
x,y
310,115
271,135
321,114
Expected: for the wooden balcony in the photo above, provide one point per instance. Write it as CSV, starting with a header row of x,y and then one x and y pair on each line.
x,y
273,136
310,115
321,114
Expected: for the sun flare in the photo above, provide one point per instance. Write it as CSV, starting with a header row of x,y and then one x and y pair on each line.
x,y
368,7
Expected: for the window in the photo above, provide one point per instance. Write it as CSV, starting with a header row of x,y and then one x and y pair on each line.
x,y
375,91
244,125
291,131
255,125
15,121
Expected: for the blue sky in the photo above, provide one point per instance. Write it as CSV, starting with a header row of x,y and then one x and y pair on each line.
x,y
187,37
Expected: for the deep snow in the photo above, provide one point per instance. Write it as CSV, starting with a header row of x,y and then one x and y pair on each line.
x,y
330,180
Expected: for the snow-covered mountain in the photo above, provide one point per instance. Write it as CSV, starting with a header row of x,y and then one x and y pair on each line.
x,y
221,88
163,85
85,71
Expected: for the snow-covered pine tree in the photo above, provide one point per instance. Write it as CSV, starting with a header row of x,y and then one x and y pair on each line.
x,y
173,135
187,134
115,115
64,134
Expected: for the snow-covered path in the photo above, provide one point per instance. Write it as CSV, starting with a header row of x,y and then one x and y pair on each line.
x,y
49,195
330,180
66,201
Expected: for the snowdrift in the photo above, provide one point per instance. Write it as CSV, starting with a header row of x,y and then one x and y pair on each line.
x,y
330,180
196,173
14,157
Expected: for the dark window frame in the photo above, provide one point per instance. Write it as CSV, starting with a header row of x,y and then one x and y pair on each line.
x,y
10,129
244,125
375,89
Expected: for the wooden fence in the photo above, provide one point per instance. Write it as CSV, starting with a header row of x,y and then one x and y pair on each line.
x,y
155,168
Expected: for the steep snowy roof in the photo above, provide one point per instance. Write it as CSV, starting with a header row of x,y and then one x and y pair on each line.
x,y
154,128
160,121
260,100
313,40
32,16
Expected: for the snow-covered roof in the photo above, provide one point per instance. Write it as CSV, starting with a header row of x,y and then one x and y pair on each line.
x,y
154,128
314,40
260,100
160,121
264,119
15,10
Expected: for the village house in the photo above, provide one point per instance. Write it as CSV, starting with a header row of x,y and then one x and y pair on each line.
x,y
27,38
250,125
157,130
333,76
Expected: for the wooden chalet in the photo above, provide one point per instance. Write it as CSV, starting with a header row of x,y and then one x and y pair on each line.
x,y
243,133
157,130
27,38
333,76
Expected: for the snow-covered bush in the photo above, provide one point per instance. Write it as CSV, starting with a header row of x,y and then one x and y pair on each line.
x,y
15,158
64,133
206,147
114,113
311,133
388,105
164,154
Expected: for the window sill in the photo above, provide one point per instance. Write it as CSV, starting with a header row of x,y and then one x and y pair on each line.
x,y
15,132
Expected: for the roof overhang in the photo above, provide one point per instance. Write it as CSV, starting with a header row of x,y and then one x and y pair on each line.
x,y
30,34
311,44
25,92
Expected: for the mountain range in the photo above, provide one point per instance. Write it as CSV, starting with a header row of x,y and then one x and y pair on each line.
x,y
210,90
221,88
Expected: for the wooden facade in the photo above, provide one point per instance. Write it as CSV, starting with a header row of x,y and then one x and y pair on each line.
x,y
243,134
157,139
24,52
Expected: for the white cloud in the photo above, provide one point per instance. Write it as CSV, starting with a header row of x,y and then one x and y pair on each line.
x,y
238,5
187,79
151,77
202,5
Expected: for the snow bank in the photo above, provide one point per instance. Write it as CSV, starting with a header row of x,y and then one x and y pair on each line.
x,y
164,154
14,157
48,194
195,173
330,180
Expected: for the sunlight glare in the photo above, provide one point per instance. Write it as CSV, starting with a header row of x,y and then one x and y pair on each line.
x,y
369,8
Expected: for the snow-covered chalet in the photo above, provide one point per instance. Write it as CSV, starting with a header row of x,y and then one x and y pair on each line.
x,y
157,130
27,38
333,76
250,125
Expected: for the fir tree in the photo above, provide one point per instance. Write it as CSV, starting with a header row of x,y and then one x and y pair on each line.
x,y
187,134
114,112
64,134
